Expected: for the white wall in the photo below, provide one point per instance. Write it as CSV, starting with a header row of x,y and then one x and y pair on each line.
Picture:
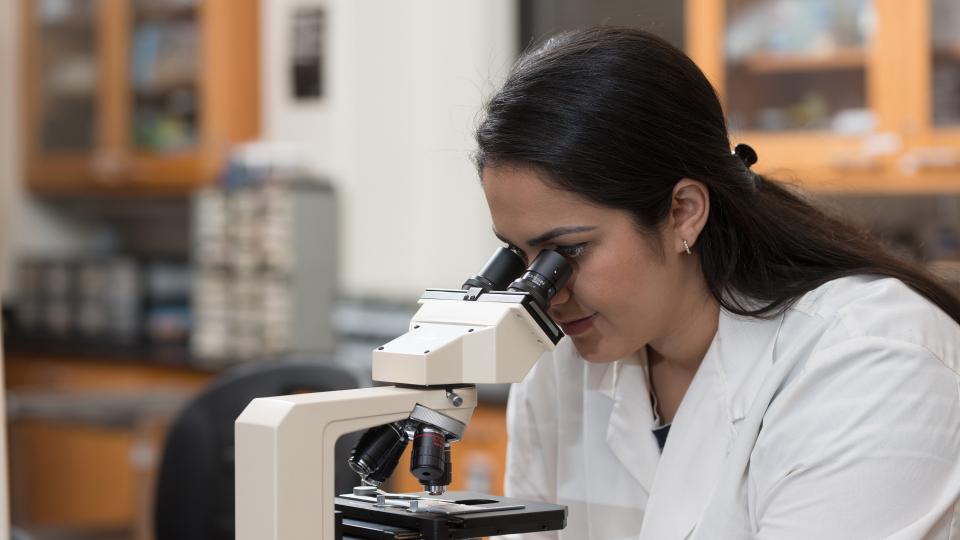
x,y
9,163
405,83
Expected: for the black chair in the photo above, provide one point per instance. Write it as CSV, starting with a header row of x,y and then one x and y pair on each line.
x,y
195,484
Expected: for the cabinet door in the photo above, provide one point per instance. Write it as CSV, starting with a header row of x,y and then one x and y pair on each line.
x,y
945,64
932,156
193,77
800,65
163,75
165,89
62,68
823,89
798,81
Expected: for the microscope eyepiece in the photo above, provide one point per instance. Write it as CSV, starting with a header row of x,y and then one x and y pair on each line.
x,y
504,265
546,275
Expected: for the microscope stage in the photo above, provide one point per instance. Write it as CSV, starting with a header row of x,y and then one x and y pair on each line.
x,y
456,514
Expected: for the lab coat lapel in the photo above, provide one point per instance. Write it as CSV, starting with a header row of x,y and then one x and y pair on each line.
x,y
704,427
629,433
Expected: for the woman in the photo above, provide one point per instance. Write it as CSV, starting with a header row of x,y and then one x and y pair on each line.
x,y
738,364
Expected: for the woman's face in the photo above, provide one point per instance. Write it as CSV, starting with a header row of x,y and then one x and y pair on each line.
x,y
621,294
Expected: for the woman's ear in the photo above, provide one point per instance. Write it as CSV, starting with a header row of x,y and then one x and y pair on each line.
x,y
690,207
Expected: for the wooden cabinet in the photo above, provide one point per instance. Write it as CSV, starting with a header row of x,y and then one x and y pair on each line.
x,y
86,438
845,96
136,96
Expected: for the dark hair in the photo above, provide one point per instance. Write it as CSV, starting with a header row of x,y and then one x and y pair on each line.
x,y
619,116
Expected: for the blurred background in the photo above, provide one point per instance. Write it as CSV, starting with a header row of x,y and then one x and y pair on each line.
x,y
200,190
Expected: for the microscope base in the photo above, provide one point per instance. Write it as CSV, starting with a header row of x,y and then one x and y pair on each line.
x,y
471,515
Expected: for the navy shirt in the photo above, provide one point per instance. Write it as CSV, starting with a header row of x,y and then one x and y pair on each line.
x,y
661,434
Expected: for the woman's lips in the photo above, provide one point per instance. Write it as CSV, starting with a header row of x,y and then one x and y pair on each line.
x,y
577,326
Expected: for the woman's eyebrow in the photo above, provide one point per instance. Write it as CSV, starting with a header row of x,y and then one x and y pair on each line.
x,y
549,235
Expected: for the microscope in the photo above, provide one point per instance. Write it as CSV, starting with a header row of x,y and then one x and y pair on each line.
x,y
492,330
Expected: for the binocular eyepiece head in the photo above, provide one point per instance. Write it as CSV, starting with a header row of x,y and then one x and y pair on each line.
x,y
546,275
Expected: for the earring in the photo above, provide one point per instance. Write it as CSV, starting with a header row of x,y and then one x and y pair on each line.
x,y
686,247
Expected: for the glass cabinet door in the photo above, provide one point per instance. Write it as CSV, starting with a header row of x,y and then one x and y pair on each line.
x,y
794,65
164,70
66,75
945,49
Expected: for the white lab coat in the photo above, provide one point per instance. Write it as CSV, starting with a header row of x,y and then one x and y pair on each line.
x,y
839,418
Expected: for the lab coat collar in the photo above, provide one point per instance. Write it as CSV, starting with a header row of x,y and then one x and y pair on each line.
x,y
630,430
704,426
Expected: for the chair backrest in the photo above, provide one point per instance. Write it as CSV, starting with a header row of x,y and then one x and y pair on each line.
x,y
195,484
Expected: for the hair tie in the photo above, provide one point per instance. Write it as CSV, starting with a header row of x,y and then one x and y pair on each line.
x,y
749,156
746,153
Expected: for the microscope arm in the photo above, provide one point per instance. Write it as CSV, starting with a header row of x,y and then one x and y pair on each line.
x,y
283,445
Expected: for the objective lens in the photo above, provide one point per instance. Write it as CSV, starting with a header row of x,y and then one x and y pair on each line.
x,y
447,468
546,275
439,486
504,265
377,453
429,457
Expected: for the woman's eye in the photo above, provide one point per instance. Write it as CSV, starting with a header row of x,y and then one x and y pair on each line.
x,y
571,251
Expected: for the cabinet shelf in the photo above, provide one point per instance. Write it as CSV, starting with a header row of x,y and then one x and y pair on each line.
x,y
69,26
160,14
839,59
166,87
